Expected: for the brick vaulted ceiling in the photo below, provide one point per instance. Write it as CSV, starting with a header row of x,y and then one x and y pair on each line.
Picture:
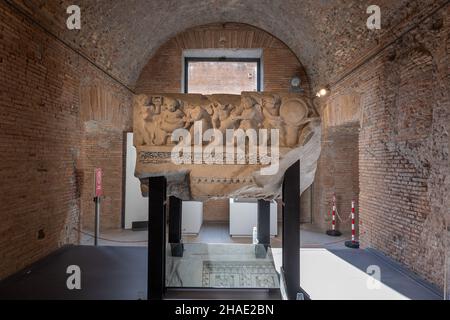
x,y
328,36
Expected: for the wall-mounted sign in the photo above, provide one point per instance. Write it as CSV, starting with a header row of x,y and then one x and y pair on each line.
x,y
98,182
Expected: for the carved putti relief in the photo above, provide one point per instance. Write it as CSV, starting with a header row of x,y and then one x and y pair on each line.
x,y
230,141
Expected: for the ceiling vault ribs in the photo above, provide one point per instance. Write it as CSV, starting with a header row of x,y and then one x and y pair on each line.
x,y
328,37
22,12
369,57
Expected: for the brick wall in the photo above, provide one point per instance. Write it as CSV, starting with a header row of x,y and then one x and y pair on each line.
x,y
163,73
105,116
337,174
43,174
337,169
404,112
208,77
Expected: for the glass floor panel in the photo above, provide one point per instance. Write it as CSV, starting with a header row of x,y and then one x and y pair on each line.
x,y
213,265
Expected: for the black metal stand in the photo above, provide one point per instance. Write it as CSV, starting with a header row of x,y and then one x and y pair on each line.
x,y
263,229
156,238
291,233
352,244
175,226
97,220
334,233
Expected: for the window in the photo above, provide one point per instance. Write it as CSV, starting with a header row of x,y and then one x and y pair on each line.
x,y
222,75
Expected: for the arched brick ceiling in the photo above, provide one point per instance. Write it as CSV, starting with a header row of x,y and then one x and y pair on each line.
x,y
326,35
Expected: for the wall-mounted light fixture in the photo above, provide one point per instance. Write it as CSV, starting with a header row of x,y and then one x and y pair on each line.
x,y
322,92
295,84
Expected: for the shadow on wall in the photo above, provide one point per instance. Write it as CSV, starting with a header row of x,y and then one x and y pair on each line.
x,y
105,115
338,166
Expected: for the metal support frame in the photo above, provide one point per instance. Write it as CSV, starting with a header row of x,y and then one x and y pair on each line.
x,y
156,238
263,229
97,220
175,226
291,233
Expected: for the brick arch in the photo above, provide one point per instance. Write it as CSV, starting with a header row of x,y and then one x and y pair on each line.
x,y
121,36
162,73
265,24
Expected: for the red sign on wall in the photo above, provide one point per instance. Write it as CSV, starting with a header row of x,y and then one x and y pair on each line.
x,y
98,182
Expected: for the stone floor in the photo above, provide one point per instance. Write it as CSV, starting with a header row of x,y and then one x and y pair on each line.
x,y
329,270
213,232
107,273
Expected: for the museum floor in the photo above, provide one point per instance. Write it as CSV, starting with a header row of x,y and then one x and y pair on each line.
x,y
117,269
212,232
329,270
